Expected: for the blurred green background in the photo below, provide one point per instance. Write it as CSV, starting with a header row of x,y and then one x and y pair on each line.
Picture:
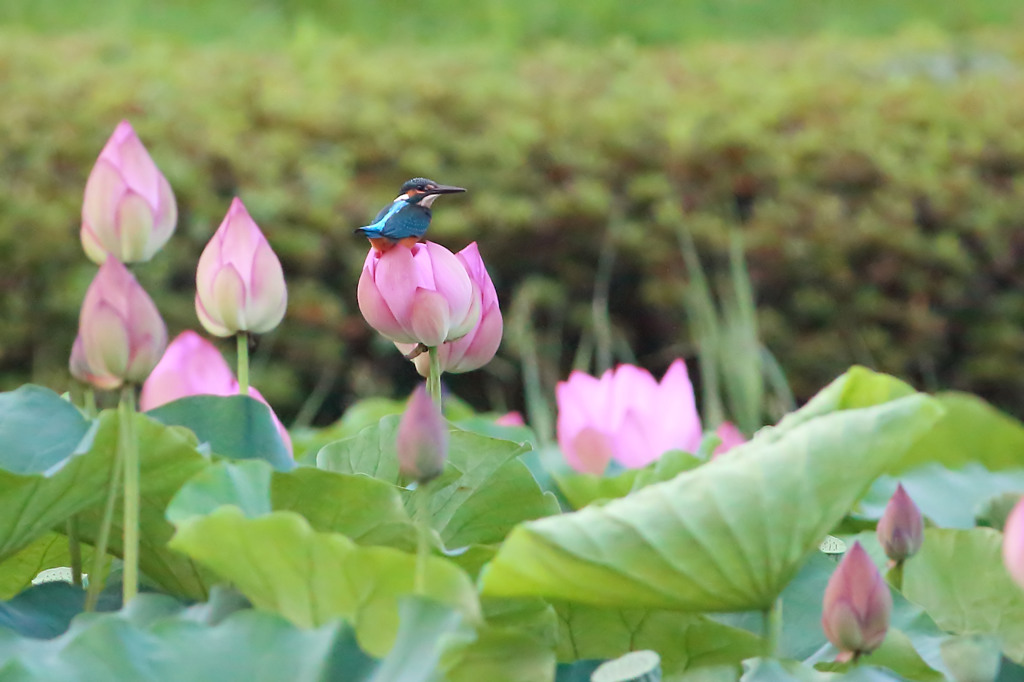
x,y
869,156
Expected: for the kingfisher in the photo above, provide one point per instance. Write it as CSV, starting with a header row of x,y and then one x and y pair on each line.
x,y
406,219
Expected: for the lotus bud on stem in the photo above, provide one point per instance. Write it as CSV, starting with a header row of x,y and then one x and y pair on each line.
x,y
422,447
857,606
900,532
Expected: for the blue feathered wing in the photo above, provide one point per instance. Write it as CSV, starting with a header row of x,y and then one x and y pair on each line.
x,y
399,221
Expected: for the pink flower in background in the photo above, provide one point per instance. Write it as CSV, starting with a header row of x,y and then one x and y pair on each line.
x,y
129,209
730,436
857,605
901,529
475,349
1013,543
510,419
627,416
193,366
422,441
417,295
239,282
122,335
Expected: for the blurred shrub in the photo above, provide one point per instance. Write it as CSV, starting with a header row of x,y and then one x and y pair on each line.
x,y
880,190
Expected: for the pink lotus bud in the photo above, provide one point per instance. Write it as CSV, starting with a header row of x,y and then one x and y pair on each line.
x,y
81,370
857,605
475,349
129,208
422,442
239,282
122,333
901,529
193,366
1013,543
510,419
624,416
417,295
730,437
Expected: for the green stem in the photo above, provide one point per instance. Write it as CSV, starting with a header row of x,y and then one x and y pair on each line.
x,y
126,419
97,576
421,499
896,576
75,550
243,363
90,402
773,627
434,378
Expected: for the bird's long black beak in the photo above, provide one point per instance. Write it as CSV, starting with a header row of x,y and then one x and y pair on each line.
x,y
444,189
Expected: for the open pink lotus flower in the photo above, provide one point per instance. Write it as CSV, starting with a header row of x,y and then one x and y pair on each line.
x,y
857,605
121,334
129,209
627,416
422,294
239,282
193,366
475,349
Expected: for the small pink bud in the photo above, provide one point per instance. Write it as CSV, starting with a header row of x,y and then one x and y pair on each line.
x,y
193,366
81,370
622,416
1013,543
129,209
857,605
730,437
239,282
901,528
418,295
475,349
122,333
422,442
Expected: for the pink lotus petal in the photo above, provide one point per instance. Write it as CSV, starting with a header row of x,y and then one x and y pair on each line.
x,y
730,437
451,281
397,280
226,300
1013,543
589,451
510,419
376,311
137,165
429,318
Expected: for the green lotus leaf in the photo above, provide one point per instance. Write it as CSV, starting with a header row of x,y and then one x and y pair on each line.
x,y
958,577
283,565
727,536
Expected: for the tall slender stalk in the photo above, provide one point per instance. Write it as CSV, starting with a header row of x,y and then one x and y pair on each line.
x,y
90,402
130,446
97,576
243,363
74,539
434,377
896,576
421,512
773,627
75,550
